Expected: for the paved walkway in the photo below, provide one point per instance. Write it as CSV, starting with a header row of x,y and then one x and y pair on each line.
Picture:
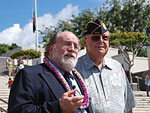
x,y
3,82
143,105
4,92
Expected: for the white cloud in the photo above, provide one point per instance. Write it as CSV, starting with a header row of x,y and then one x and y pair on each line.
x,y
10,34
25,36
67,12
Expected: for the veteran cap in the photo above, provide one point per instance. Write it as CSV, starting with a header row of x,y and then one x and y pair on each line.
x,y
95,27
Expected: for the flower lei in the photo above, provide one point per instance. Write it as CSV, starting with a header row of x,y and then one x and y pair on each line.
x,y
64,83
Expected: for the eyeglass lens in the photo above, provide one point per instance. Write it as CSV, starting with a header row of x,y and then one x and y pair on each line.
x,y
69,44
96,38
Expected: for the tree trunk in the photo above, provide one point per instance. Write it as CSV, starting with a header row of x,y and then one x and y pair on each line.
x,y
131,79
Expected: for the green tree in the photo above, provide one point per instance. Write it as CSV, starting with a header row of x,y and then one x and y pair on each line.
x,y
13,46
75,25
127,16
26,54
5,47
142,53
128,42
120,16
80,21
47,34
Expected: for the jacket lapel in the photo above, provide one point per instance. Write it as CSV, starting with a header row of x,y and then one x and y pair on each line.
x,y
56,87
52,82
79,85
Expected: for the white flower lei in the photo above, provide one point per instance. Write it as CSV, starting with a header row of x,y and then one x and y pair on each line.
x,y
64,83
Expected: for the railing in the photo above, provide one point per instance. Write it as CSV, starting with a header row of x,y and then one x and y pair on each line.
x,y
2,109
3,101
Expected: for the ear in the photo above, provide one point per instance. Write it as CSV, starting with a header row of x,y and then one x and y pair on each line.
x,y
50,50
84,41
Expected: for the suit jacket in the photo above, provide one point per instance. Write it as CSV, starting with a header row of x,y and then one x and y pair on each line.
x,y
36,90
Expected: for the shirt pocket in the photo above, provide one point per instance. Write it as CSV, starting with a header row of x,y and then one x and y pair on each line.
x,y
116,85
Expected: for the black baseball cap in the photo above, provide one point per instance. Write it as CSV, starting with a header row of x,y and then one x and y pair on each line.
x,y
95,27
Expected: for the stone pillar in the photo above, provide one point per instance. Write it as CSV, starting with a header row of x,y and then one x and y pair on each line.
x,y
3,69
148,55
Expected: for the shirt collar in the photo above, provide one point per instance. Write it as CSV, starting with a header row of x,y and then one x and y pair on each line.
x,y
107,63
89,63
61,71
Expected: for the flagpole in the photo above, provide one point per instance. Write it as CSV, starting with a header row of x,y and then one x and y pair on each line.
x,y
37,42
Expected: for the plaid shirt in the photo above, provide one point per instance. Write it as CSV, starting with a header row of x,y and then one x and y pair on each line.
x,y
109,88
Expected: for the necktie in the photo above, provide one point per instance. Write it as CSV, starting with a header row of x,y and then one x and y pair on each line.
x,y
67,77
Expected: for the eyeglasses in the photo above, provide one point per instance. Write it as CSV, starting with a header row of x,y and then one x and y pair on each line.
x,y
96,38
70,44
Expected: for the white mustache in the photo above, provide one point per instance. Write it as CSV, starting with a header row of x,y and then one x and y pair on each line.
x,y
70,54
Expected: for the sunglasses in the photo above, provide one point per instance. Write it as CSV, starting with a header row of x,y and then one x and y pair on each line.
x,y
96,38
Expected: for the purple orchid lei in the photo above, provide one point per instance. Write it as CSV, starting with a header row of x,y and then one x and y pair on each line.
x,y
64,83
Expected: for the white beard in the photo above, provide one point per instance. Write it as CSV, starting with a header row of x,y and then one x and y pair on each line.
x,y
67,64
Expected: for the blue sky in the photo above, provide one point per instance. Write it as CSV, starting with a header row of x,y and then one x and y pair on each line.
x,y
16,17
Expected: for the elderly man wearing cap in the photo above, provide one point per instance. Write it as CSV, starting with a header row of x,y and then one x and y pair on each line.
x,y
107,83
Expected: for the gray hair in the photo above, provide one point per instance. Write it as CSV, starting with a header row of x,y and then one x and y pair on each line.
x,y
52,41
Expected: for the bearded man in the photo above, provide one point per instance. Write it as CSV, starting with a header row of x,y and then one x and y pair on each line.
x,y
53,86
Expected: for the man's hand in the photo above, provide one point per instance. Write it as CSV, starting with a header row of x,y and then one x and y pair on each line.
x,y
70,103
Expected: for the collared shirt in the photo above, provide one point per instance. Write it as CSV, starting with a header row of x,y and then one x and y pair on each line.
x,y
109,89
147,82
61,71
74,83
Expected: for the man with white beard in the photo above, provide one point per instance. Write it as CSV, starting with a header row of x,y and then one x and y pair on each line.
x,y
53,86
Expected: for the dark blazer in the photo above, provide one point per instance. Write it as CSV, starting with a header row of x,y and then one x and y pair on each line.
x,y
36,90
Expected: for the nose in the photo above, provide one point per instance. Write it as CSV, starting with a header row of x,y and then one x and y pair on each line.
x,y
72,48
101,39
